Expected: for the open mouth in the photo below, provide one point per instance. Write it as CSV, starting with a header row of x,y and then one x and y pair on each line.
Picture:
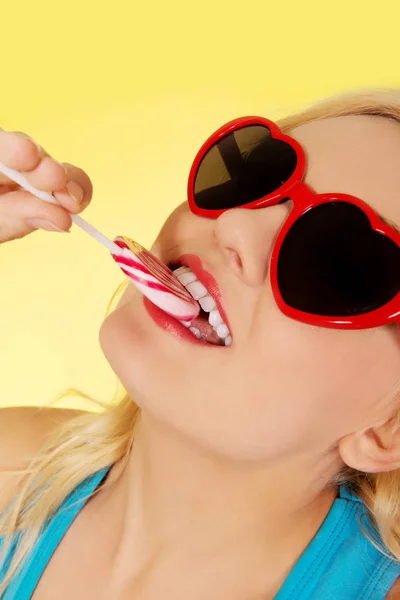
x,y
209,326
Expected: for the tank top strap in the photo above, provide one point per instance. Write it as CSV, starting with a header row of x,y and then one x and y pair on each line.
x,y
347,492
340,563
24,584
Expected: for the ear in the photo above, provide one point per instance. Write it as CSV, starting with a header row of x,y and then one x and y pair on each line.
x,y
373,450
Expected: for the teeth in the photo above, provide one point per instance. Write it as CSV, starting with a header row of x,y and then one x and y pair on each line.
x,y
222,331
195,331
197,290
214,318
186,323
186,277
207,303
180,270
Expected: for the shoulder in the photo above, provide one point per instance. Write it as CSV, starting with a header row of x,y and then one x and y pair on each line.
x,y
394,593
23,430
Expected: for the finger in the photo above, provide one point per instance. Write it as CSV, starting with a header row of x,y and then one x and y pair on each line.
x,y
78,192
8,187
40,148
19,152
48,175
18,207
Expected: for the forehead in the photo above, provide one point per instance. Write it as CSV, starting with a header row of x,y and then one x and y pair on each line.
x,y
357,155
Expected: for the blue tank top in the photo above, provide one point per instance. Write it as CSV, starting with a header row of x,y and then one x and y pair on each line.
x,y
339,563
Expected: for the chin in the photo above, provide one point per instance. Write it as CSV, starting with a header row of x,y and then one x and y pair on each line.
x,y
154,376
159,372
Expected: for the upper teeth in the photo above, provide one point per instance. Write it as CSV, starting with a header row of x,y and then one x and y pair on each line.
x,y
207,303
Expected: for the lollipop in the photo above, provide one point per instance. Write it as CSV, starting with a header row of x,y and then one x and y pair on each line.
x,y
155,280
152,278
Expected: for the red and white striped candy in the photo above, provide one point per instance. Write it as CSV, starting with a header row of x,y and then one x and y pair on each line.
x,y
154,280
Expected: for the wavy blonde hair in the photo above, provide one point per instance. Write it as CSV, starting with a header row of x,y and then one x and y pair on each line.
x,y
93,440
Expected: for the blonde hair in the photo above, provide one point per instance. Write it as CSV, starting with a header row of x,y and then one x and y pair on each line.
x,y
93,440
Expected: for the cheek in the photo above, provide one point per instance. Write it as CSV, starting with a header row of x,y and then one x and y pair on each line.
x,y
325,382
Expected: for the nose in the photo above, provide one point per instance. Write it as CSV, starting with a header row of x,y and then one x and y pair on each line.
x,y
246,238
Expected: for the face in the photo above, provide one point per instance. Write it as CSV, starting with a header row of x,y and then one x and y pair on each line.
x,y
282,387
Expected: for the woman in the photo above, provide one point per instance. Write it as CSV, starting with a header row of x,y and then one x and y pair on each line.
x,y
266,467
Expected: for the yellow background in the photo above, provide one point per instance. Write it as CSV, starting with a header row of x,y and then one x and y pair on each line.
x,y
129,91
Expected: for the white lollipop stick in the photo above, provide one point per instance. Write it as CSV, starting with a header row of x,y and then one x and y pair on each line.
x,y
151,277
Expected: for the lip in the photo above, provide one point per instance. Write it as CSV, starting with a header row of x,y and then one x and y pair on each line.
x,y
195,264
170,324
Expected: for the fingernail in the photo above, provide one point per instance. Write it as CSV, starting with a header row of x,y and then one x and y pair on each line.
x,y
43,224
75,191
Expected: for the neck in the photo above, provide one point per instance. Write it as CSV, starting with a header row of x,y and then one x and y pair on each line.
x,y
176,499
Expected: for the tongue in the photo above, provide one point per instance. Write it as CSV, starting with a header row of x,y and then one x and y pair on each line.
x,y
206,331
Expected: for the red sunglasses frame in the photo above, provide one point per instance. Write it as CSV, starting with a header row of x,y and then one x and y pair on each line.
x,y
303,198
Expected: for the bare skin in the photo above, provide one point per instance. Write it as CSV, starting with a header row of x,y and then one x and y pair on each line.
x,y
226,482
235,471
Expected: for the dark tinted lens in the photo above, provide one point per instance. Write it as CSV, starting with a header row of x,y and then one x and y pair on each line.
x,y
243,166
333,264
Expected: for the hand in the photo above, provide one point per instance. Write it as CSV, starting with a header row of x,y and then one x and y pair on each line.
x,y
20,211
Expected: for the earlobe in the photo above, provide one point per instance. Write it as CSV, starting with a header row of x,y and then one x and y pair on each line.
x,y
374,450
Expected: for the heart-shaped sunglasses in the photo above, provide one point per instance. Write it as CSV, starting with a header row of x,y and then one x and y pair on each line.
x,y
335,262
